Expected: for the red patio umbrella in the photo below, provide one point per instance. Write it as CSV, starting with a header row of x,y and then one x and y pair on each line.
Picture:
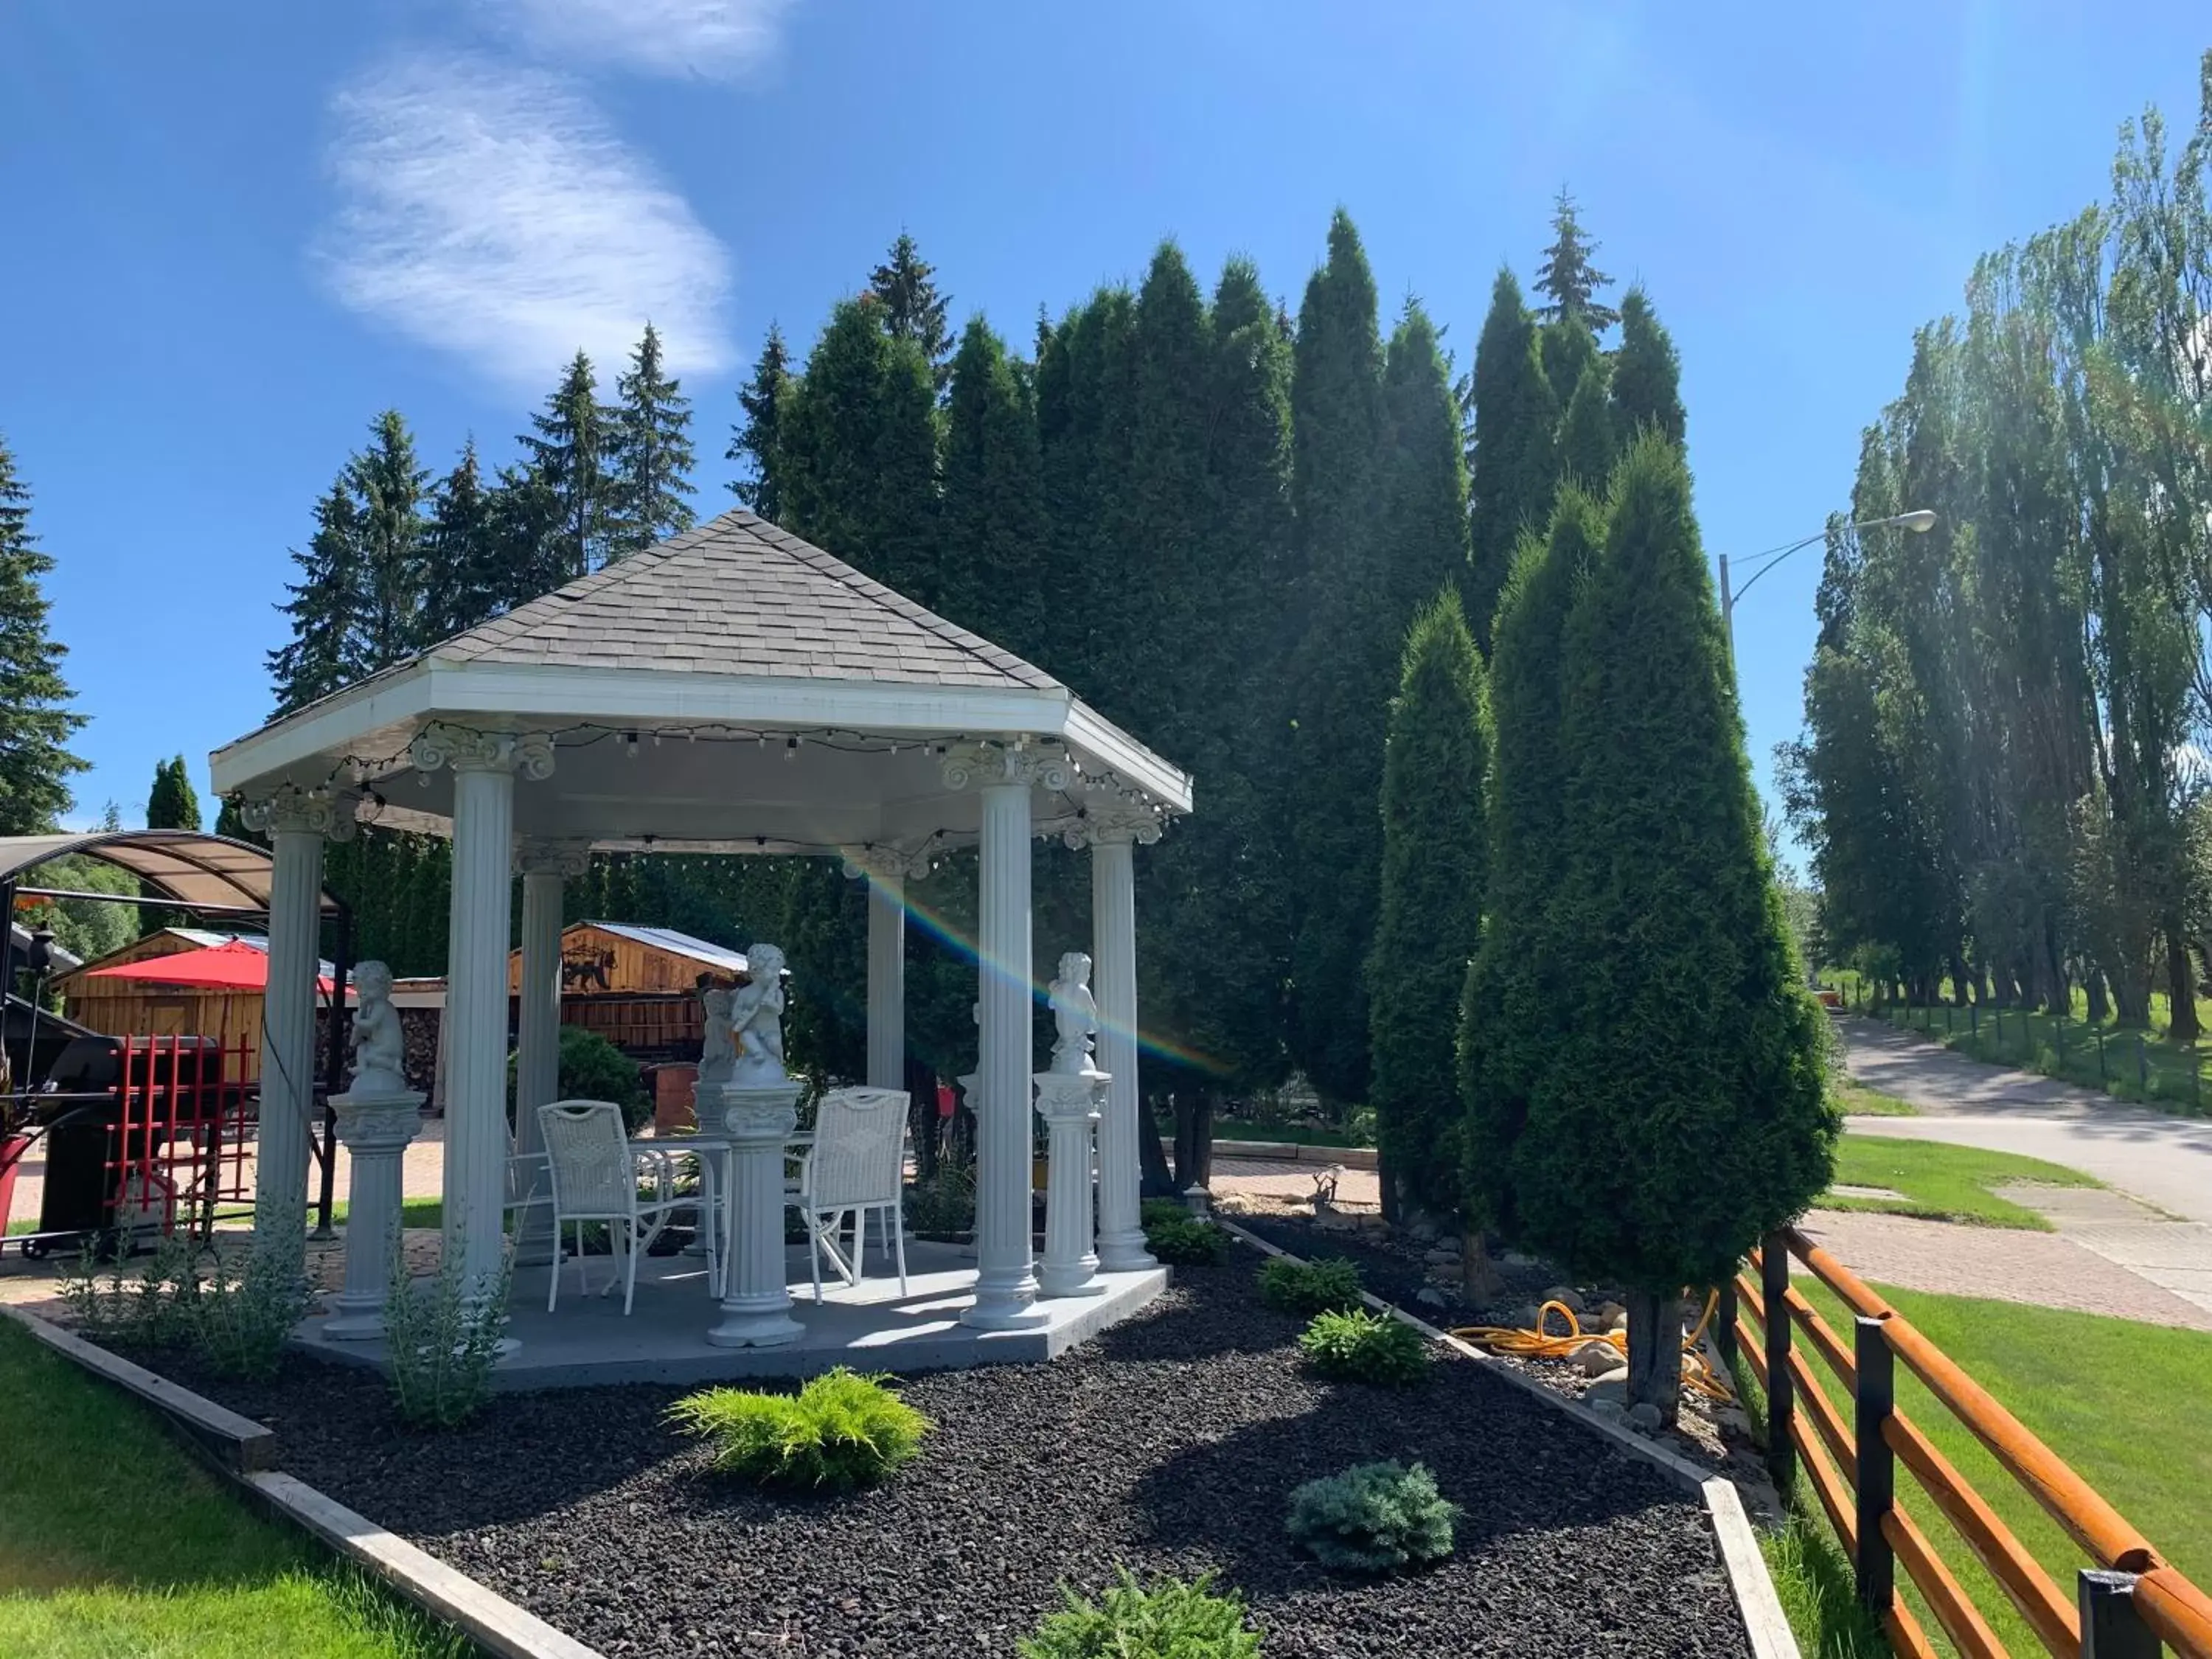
x,y
233,966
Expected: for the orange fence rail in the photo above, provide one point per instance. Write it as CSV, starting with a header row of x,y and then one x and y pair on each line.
x,y
2125,1606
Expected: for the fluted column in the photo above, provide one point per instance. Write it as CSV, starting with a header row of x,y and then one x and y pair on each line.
x,y
885,871
1005,1279
375,1129
1111,836
477,1142
545,865
297,822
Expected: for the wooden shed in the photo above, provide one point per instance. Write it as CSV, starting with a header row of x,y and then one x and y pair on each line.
x,y
137,1007
636,987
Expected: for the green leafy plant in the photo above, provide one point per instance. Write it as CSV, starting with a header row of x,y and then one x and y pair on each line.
x,y
1306,1288
945,1202
1185,1241
592,1068
841,1430
1167,1619
442,1343
1374,1518
240,1320
1155,1211
1358,1346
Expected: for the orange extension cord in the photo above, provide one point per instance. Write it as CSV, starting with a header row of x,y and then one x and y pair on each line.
x,y
1698,1373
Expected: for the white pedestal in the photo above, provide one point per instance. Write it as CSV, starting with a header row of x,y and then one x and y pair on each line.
x,y
757,1122
375,1129
1068,1103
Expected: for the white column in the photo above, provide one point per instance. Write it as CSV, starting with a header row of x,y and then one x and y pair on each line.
x,y
1111,836
758,1121
545,865
297,822
1068,1103
884,869
1006,1282
477,1142
375,1129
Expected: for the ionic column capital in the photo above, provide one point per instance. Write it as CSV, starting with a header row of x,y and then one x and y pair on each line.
x,y
997,765
291,810
439,745
1105,825
885,863
536,856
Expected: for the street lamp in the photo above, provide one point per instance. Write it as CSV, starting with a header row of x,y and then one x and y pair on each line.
x,y
1920,520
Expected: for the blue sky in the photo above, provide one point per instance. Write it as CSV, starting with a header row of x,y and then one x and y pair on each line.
x,y
237,231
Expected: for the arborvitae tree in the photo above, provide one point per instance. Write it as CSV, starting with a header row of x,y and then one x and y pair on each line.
x,y
571,454
230,820
1435,857
316,661
1658,1175
173,803
1342,673
993,523
905,284
387,482
1424,531
1516,458
857,443
756,441
463,584
1513,992
1587,448
652,452
1086,391
1646,374
1567,277
35,722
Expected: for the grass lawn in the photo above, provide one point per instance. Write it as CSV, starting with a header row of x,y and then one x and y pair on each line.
x,y
113,1542
2115,1398
1289,1134
1855,1099
413,1212
1944,1183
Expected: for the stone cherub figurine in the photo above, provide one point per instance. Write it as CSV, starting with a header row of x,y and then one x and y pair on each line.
x,y
380,1049
756,1019
718,1049
1075,1012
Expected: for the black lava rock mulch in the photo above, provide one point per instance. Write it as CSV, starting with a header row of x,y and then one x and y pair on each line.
x,y
1397,1272
1171,1444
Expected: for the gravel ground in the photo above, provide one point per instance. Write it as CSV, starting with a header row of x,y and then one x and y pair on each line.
x,y
1171,1443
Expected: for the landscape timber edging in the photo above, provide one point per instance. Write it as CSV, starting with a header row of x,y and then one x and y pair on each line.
x,y
239,1448
1765,1624
1288,1152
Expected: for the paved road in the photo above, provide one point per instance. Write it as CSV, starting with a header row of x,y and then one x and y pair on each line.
x,y
2166,1162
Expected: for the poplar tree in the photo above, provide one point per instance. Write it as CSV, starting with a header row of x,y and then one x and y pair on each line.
x,y
652,451
1434,865
36,723
1674,945
994,523
905,285
1516,466
1646,374
1342,673
173,803
756,441
570,452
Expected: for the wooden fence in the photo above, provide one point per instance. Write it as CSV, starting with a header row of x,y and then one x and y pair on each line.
x,y
2127,1604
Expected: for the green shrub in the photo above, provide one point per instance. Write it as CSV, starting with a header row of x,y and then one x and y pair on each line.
x,y
592,1068
946,1202
1374,1518
1306,1288
841,1430
1185,1241
442,1346
1358,1346
1155,1211
1166,1620
238,1323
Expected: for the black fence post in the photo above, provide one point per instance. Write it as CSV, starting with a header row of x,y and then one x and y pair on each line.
x,y
2061,1044
1876,1399
2110,1627
1974,1025
1781,1390
2102,1082
2143,1069
1724,1312
1946,1019
1999,1012
2196,1082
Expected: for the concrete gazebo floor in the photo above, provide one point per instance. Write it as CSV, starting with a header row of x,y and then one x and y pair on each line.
x,y
586,1341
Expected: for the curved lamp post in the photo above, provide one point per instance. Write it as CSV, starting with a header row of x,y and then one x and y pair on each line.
x,y
1920,520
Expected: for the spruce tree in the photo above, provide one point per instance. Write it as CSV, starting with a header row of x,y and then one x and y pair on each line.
x,y
1515,458
1661,1175
993,523
1567,277
463,584
1435,858
905,284
173,804
1344,669
652,462
35,721
387,482
529,555
316,661
570,452
756,441
1424,482
1586,447
1646,374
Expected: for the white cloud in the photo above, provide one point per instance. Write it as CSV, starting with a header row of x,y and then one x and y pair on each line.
x,y
490,212
715,40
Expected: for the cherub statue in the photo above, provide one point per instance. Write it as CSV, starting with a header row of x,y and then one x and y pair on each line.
x,y
380,1049
756,1019
1076,1013
718,1049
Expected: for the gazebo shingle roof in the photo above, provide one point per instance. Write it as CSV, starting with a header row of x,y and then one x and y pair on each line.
x,y
736,595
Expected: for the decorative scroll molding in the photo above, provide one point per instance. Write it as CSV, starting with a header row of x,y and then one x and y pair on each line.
x,y
294,810
887,862
530,753
1099,825
992,765
535,856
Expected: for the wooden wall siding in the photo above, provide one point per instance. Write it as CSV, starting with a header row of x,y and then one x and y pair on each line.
x,y
594,963
649,1024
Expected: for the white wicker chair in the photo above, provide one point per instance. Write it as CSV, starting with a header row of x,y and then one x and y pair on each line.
x,y
595,1168
855,1164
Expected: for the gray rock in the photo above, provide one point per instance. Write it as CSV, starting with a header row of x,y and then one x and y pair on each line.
x,y
1441,1254
1567,1296
1596,1358
1429,1297
1423,1231
1646,1416
1608,1312
1610,1409
1446,1273
1611,1388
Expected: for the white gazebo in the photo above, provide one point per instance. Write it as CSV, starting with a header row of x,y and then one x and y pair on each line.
x,y
732,689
